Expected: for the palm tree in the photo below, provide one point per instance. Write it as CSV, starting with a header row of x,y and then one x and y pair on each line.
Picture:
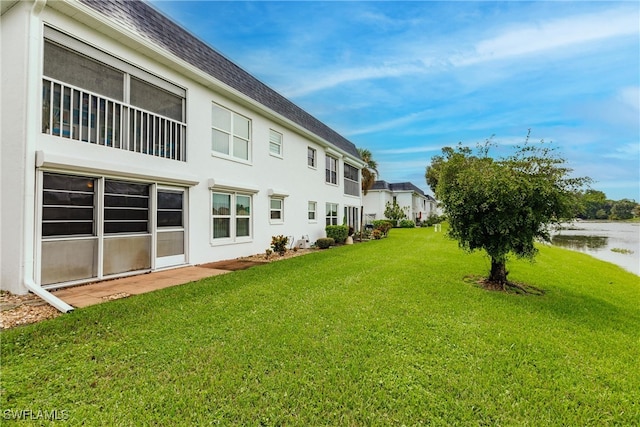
x,y
369,171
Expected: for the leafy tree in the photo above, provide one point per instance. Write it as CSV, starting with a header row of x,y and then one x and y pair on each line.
x,y
592,201
370,171
502,206
623,209
394,212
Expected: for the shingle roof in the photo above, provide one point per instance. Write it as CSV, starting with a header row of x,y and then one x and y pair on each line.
x,y
400,186
152,25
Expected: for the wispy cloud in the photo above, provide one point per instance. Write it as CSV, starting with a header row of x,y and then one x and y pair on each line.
x,y
512,42
552,35
391,124
412,150
339,77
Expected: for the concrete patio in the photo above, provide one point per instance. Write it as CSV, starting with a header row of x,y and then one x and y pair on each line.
x,y
96,293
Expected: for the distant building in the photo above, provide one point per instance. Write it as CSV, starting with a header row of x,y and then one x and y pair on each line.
x,y
405,194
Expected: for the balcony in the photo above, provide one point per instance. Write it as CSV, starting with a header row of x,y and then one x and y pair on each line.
x,y
74,113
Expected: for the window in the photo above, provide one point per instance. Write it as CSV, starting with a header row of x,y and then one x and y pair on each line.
x,y
351,180
332,214
312,211
351,214
170,222
221,215
243,216
154,99
331,170
276,210
230,133
231,215
126,207
67,206
97,227
311,157
275,143
70,67
170,208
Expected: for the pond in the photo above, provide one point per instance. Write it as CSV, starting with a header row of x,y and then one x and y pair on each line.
x,y
615,242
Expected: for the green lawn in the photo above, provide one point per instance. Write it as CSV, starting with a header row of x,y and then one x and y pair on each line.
x,y
382,333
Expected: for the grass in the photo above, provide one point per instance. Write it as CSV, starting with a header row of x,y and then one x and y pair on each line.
x,y
387,332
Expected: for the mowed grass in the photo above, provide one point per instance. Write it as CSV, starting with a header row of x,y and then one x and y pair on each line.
x,y
380,333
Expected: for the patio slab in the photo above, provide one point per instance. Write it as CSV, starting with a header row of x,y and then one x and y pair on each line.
x,y
96,293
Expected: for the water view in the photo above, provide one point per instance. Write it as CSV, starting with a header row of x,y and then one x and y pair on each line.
x,y
615,242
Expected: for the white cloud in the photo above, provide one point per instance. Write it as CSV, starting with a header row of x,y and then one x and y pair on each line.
x,y
401,121
630,96
412,150
552,35
624,152
329,79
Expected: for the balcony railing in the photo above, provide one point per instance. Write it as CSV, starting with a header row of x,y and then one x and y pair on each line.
x,y
74,113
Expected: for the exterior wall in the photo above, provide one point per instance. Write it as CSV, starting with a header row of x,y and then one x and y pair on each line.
x,y
375,201
23,146
374,204
19,27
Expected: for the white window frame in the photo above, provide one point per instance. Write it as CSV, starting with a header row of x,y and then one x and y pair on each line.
x,y
276,141
350,184
281,210
231,134
330,219
312,210
233,216
314,159
331,176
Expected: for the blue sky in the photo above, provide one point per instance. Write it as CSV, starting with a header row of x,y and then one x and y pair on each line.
x,y
404,79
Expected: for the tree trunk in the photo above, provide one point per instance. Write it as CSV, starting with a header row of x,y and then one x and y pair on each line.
x,y
498,271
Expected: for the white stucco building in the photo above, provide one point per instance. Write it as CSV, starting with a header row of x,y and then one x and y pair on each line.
x,y
128,145
405,194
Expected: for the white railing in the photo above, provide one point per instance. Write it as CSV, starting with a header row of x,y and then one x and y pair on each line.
x,y
74,113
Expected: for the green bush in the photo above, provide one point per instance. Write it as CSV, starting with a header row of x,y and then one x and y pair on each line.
x,y
406,223
279,244
433,219
384,225
338,233
324,242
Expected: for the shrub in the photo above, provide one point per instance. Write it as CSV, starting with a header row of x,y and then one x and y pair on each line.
x,y
407,223
324,242
433,219
384,225
364,234
279,244
338,233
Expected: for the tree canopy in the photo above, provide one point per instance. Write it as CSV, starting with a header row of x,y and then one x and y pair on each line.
x,y
502,206
369,171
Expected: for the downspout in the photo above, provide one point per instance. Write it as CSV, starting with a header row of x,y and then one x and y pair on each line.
x,y
33,74
48,296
